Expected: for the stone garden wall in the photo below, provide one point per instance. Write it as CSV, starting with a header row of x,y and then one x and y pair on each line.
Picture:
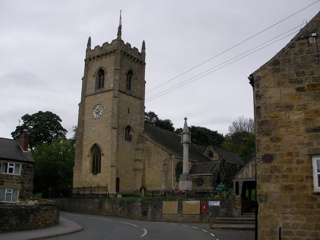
x,y
152,210
25,217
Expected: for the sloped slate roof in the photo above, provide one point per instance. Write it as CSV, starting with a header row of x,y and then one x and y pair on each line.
x,y
228,156
11,150
171,142
203,168
252,160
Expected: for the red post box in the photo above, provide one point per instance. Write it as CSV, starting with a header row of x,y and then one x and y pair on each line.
x,y
204,207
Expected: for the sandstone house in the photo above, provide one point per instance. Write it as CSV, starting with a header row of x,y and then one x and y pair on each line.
x,y
16,170
287,115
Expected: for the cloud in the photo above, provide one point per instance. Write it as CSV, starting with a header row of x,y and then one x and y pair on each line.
x,y
43,45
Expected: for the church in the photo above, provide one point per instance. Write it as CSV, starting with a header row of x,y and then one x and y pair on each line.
x,y
116,148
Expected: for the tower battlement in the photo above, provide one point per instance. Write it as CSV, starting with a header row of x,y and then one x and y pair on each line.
x,y
110,48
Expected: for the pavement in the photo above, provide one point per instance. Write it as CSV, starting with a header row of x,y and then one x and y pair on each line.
x,y
64,227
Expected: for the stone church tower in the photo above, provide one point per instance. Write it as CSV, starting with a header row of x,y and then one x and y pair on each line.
x,y
111,116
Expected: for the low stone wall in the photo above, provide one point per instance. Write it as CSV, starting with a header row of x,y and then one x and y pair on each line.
x,y
151,210
25,217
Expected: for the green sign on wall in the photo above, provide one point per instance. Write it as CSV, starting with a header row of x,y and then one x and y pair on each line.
x,y
221,187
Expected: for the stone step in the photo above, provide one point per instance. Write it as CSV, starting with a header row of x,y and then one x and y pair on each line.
x,y
234,220
233,226
243,222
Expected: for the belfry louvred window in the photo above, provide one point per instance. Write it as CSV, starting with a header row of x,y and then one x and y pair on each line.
x,y
100,79
129,80
96,159
128,133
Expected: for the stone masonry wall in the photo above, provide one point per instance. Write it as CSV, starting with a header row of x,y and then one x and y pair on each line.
x,y
287,116
26,217
148,210
22,182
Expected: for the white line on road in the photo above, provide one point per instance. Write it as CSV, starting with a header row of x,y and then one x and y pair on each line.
x,y
195,228
130,224
212,234
204,230
145,232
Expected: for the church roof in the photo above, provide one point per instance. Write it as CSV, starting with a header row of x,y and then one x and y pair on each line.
x,y
171,142
11,150
228,156
203,168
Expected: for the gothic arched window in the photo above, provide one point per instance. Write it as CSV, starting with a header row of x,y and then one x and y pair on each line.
x,y
129,80
128,133
100,79
95,159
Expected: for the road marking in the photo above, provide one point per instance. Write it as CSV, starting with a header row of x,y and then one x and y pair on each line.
x,y
204,230
130,224
212,234
133,225
145,232
195,228
184,225
103,219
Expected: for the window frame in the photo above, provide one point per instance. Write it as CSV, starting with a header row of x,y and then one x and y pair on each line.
x,y
9,195
95,160
11,168
129,78
100,79
316,173
128,133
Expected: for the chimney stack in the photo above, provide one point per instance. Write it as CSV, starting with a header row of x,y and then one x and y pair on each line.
x,y
24,141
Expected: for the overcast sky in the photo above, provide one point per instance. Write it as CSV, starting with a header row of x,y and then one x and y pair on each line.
x,y
199,53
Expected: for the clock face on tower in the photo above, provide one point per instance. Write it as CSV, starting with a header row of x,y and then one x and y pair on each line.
x,y
97,111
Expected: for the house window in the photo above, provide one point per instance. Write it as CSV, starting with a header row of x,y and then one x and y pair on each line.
x,y
129,80
100,79
9,195
128,134
96,160
316,173
11,168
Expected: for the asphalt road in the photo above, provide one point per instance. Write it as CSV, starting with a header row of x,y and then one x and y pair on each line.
x,y
98,227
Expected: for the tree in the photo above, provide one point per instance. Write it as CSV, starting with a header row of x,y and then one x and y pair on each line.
x,y
165,124
242,124
241,138
42,127
53,168
151,117
204,136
